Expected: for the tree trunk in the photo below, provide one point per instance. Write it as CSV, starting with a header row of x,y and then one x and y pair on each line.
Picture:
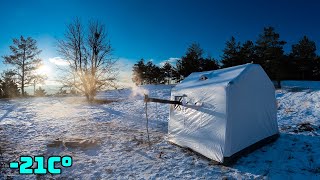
x,y
87,96
22,81
22,78
22,88
34,87
279,84
91,98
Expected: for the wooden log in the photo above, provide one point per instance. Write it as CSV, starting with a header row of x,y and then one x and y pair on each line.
x,y
147,99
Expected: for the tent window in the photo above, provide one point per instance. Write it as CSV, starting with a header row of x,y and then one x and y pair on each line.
x,y
203,77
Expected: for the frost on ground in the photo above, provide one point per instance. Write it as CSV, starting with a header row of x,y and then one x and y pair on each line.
x,y
109,140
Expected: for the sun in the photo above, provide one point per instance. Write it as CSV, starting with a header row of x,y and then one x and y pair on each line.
x,y
43,70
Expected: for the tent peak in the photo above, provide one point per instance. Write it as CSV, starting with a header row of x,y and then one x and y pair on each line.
x,y
219,77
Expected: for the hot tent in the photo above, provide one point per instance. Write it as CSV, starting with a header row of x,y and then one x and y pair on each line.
x,y
224,111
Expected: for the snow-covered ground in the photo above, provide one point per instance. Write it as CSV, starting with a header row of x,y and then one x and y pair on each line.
x,y
109,140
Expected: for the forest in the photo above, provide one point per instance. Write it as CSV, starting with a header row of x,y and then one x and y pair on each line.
x,y
301,63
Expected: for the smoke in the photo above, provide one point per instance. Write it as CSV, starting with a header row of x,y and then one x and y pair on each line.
x,y
138,91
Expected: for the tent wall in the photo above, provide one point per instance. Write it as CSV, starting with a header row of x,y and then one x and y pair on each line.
x,y
232,159
238,110
201,129
251,110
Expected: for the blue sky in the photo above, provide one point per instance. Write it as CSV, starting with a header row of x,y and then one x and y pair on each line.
x,y
159,30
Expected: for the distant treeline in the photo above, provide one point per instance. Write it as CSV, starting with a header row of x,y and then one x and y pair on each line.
x,y
301,63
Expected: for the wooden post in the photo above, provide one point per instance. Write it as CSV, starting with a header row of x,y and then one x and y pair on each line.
x,y
147,124
147,99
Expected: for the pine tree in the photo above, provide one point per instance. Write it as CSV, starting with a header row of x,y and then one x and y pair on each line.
x,y
305,49
303,55
40,92
316,69
231,54
8,87
190,62
270,54
248,53
24,57
157,75
152,73
208,64
168,71
139,70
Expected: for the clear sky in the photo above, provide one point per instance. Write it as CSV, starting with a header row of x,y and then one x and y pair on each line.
x,y
162,29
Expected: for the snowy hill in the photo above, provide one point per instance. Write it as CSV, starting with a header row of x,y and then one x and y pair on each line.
x,y
109,140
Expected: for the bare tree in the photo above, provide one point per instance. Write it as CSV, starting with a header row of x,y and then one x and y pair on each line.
x,y
24,57
90,65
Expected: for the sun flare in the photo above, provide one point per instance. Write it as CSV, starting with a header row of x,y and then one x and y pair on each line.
x,y
43,70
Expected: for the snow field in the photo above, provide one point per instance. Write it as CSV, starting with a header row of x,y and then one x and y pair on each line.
x,y
108,141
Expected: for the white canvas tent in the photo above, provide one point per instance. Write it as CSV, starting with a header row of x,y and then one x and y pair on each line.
x,y
225,111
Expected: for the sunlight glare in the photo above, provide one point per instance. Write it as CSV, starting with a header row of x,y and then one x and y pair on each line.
x,y
43,70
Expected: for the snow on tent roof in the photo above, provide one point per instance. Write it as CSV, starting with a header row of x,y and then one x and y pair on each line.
x,y
219,77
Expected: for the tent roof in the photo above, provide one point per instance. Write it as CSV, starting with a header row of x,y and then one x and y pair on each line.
x,y
220,77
